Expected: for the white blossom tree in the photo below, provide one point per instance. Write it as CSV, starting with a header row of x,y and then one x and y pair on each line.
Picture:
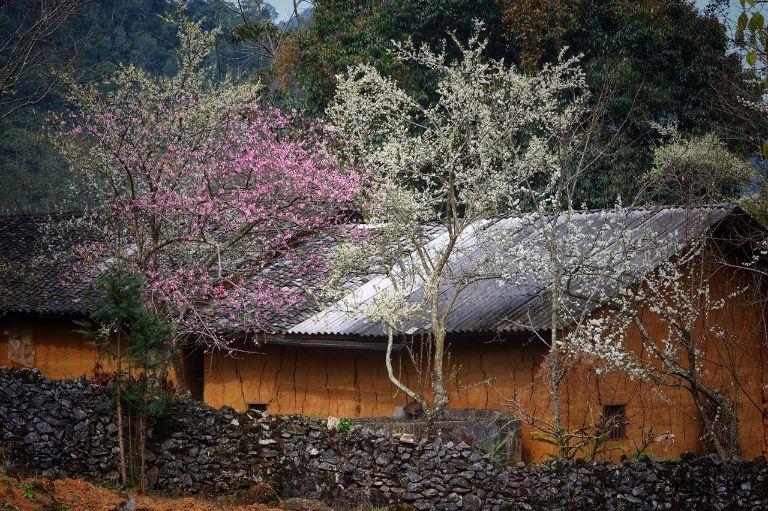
x,y
490,144
697,170
676,295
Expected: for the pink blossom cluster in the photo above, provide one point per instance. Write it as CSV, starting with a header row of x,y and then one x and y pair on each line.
x,y
199,202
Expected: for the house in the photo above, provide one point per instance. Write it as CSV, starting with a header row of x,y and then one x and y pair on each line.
x,y
325,361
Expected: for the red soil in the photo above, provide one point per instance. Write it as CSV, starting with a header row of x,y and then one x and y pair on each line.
x,y
77,495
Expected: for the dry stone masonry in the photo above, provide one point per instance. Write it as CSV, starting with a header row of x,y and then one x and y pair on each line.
x,y
66,428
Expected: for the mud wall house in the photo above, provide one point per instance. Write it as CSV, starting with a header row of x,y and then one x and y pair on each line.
x,y
40,301
326,362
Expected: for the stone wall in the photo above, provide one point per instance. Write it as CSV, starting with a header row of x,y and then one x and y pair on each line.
x,y
64,428
487,430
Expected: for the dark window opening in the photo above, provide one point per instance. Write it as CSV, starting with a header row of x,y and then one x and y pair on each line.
x,y
615,418
258,407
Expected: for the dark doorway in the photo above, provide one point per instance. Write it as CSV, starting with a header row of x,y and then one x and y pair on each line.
x,y
193,371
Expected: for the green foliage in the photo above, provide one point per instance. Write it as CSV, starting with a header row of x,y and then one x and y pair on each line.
x,y
645,61
123,325
679,77
348,32
699,170
119,310
498,448
587,442
30,491
572,446
345,425
751,33
101,36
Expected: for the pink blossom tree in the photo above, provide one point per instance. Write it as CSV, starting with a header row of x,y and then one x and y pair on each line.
x,y
197,186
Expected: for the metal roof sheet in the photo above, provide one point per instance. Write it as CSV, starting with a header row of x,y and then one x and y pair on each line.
x,y
33,279
496,305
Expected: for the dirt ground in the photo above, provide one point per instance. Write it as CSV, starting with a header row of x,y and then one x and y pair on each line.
x,y
76,495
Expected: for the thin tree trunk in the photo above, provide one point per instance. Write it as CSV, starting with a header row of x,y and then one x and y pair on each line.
x,y
441,398
119,410
178,370
143,436
142,473
554,356
764,401
554,368
554,392
709,429
394,379
131,454
695,385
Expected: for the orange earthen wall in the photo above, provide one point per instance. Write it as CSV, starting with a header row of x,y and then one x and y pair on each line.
x,y
353,383
60,352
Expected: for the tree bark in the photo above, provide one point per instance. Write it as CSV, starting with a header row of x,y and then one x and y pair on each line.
x,y
394,379
764,401
143,440
119,413
441,399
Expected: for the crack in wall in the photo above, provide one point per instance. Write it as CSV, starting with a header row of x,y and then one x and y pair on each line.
x,y
358,394
276,390
261,380
293,377
327,388
242,389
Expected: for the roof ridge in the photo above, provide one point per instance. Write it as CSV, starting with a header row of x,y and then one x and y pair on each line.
x,y
41,215
642,207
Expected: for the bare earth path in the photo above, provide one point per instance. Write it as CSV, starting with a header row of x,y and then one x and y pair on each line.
x,y
77,495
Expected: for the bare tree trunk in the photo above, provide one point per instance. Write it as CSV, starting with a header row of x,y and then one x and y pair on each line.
x,y
554,362
119,412
709,428
554,388
131,453
733,431
143,449
142,440
554,392
394,379
441,399
142,454
764,402
174,361
720,402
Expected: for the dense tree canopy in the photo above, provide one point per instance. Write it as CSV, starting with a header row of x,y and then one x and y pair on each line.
x,y
658,60
91,44
647,61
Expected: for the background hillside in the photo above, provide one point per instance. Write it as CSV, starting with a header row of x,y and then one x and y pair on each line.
x,y
648,61
100,36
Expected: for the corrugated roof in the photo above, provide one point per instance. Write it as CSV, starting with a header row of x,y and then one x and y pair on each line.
x,y
495,305
34,277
